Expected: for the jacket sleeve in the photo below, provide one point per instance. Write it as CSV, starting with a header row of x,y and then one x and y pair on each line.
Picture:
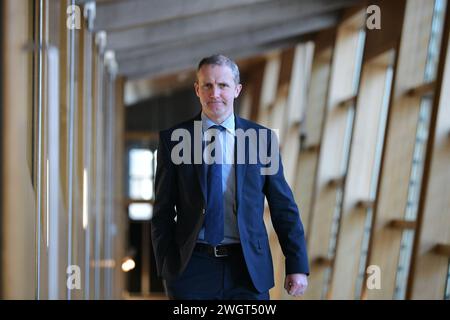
x,y
163,220
285,215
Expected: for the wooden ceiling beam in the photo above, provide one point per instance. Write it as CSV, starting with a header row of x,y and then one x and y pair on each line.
x,y
243,53
234,19
186,55
122,14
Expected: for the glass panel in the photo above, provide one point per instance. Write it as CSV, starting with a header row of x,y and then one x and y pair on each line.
x,y
140,211
140,160
141,174
413,196
435,40
53,185
359,56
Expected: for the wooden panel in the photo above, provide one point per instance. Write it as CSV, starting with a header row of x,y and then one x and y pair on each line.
x,y
144,136
290,153
269,87
442,250
245,105
96,153
331,154
402,224
298,86
287,60
295,103
2,30
256,83
63,41
317,95
120,219
311,127
304,185
279,108
430,264
399,145
381,40
359,179
19,207
426,88
275,114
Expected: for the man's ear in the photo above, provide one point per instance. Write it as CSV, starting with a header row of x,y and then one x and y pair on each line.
x,y
237,90
196,88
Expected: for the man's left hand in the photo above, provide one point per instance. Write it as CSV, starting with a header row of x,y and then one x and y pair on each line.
x,y
296,284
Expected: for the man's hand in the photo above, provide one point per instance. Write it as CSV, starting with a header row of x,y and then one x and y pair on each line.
x,y
296,284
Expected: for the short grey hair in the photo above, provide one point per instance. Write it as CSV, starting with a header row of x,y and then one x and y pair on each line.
x,y
221,60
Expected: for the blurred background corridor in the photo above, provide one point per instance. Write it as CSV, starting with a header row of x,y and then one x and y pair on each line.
x,y
359,91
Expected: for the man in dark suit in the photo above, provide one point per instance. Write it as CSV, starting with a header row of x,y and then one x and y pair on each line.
x,y
208,231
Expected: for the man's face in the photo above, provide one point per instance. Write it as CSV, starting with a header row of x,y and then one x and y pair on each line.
x,y
216,90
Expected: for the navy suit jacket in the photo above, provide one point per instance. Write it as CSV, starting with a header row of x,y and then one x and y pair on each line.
x,y
178,212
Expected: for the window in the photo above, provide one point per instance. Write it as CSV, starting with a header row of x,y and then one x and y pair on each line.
x,y
418,162
142,168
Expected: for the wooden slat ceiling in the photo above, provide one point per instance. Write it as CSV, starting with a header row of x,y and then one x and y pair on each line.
x,y
154,37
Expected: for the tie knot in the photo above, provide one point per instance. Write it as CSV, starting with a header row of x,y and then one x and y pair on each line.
x,y
217,127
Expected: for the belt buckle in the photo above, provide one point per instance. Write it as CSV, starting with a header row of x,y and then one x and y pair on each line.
x,y
217,255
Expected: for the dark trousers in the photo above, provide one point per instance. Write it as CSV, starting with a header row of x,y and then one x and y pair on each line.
x,y
207,277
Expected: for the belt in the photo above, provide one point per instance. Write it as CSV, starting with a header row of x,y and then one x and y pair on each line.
x,y
219,251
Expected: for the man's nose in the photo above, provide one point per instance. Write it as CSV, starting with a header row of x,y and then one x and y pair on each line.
x,y
215,91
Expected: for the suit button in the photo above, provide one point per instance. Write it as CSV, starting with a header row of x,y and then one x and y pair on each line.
x,y
203,211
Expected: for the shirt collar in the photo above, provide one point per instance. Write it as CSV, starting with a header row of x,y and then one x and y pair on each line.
x,y
228,123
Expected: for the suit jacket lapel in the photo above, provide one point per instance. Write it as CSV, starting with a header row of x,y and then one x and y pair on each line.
x,y
240,168
200,168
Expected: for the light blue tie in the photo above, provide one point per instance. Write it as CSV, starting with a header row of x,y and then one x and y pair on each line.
x,y
214,216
